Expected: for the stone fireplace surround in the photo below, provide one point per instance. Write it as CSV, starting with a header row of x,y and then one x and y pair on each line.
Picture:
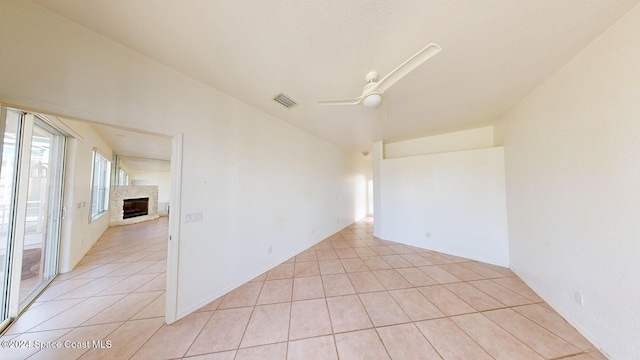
x,y
119,193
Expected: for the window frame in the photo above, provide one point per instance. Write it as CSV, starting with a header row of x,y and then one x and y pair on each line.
x,y
104,179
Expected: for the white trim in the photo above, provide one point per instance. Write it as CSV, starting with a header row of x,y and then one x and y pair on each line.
x,y
5,324
108,166
3,119
173,249
99,151
22,193
6,285
54,126
66,224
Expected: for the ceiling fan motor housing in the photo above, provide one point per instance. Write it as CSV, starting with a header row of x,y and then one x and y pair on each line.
x,y
371,76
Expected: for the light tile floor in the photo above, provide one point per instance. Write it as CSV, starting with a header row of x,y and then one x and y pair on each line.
x,y
352,296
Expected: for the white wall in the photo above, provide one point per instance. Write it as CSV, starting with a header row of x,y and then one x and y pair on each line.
x,y
449,202
257,181
377,153
455,141
369,176
154,177
78,235
572,153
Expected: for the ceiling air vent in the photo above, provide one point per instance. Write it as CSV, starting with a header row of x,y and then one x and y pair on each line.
x,y
285,100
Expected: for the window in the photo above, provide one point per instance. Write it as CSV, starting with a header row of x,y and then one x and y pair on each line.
x,y
99,186
123,178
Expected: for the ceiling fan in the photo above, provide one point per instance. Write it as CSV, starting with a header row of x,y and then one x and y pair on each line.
x,y
372,93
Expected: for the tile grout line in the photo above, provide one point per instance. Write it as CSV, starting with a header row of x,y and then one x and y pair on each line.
x,y
356,235
253,308
469,336
375,328
186,351
293,279
513,335
550,330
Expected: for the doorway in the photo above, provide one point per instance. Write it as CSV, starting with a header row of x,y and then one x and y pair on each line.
x,y
31,183
58,254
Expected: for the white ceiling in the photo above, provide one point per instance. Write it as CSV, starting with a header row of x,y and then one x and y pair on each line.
x,y
136,165
138,151
135,144
493,54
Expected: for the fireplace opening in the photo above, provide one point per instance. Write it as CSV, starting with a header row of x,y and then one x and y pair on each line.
x,y
135,207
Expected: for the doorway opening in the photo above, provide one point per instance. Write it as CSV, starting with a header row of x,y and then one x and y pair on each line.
x,y
49,216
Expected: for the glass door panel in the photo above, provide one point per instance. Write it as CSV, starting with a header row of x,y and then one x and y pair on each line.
x,y
7,201
41,233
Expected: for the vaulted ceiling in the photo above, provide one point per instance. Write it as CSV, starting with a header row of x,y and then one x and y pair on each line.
x,y
493,54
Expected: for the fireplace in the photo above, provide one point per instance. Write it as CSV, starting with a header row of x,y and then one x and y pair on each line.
x,y
135,207
123,213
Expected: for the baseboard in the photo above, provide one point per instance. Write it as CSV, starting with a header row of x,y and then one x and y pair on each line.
x,y
192,309
583,331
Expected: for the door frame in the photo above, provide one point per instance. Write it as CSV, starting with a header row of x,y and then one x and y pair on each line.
x,y
173,247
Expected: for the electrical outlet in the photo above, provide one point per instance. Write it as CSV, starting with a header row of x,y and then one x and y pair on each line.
x,y
270,250
578,298
427,235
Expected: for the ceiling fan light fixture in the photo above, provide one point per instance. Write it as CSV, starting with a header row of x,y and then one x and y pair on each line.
x,y
372,100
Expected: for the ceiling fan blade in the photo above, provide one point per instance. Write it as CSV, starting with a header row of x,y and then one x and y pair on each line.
x,y
355,101
408,66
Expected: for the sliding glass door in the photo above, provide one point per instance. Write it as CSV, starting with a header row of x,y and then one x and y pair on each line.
x,y
30,207
42,218
10,120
